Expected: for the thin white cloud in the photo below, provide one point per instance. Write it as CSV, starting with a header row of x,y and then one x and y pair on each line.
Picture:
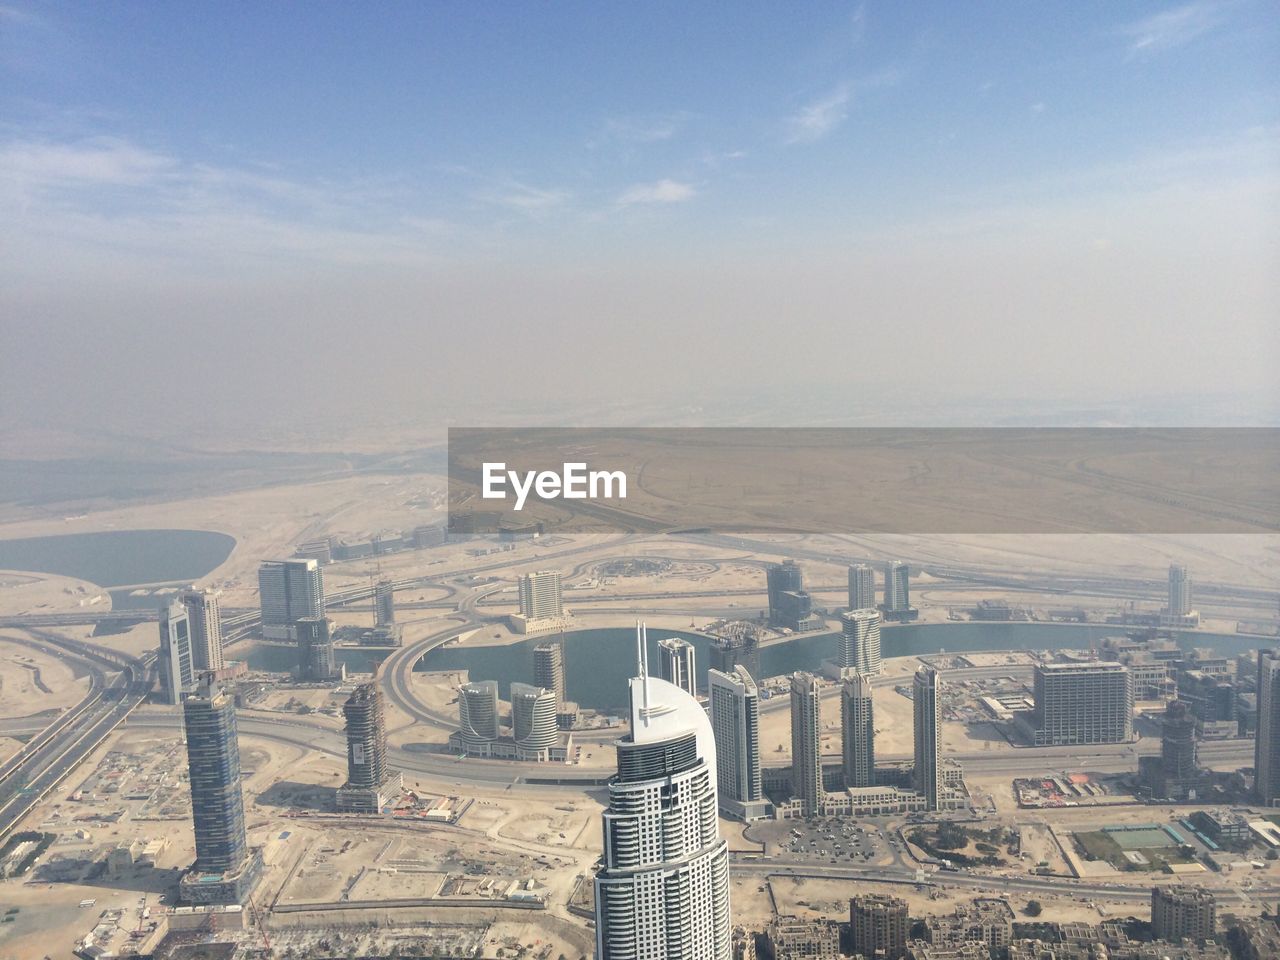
x,y
98,161
1172,28
521,196
817,119
662,191
645,128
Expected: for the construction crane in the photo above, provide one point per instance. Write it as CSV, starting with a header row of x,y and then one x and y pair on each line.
x,y
257,920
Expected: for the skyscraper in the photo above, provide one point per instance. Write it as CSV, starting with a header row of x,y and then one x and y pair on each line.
x,y
1179,768
316,660
206,629
1082,703
880,925
174,658
676,664
478,715
860,642
548,668
742,647
370,780
857,720
926,774
533,721
224,868
790,606
663,888
384,603
540,595
735,722
1266,746
288,591
897,587
1179,590
806,742
862,587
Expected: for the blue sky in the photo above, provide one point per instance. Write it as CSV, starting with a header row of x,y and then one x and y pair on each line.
x,y
215,161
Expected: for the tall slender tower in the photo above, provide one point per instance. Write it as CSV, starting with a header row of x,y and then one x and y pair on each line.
x,y
225,868
174,659
860,642
857,721
206,628
1266,748
677,664
806,742
928,754
735,721
384,603
1179,590
370,780
663,890
897,586
548,668
862,587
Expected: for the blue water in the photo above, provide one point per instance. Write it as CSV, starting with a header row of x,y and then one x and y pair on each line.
x,y
598,662
118,557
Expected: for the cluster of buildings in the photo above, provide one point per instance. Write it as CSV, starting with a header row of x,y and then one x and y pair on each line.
x,y
190,643
858,787
880,927
331,549
791,607
226,867
541,714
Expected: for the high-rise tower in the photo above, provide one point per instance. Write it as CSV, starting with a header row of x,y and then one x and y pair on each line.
x,y
663,889
370,780
735,721
206,628
384,603
897,587
478,715
533,721
174,659
1266,747
857,720
540,595
549,669
926,774
676,664
225,867
316,660
288,591
862,587
806,742
1179,590
860,642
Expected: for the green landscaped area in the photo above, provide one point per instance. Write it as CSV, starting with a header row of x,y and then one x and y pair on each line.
x,y
1153,844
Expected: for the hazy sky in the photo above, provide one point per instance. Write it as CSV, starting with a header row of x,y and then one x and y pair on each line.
x,y
413,207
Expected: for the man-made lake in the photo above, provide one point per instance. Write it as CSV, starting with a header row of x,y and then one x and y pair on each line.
x,y
118,557
598,662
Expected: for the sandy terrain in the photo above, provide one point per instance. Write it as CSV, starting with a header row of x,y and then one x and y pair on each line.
x,y
32,681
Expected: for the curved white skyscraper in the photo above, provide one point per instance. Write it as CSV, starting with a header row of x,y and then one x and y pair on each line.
x,y
860,642
663,891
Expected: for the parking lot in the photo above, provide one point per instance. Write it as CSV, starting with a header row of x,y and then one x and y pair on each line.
x,y
826,839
